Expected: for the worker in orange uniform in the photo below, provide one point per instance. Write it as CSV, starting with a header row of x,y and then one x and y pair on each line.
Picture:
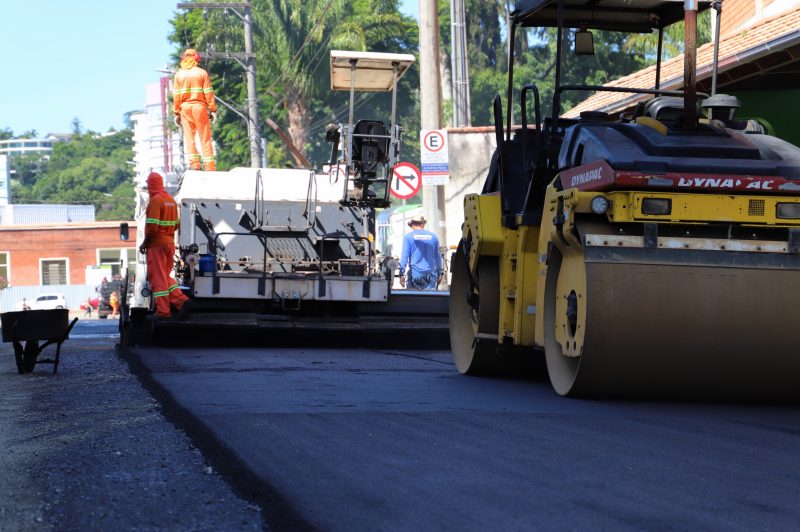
x,y
114,302
159,245
193,100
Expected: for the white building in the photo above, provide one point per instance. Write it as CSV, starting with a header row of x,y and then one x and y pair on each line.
x,y
156,145
42,147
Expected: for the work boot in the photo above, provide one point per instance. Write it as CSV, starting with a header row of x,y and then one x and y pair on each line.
x,y
185,310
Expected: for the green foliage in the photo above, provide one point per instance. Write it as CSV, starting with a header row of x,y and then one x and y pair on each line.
x,y
87,169
292,40
28,167
647,44
535,63
293,37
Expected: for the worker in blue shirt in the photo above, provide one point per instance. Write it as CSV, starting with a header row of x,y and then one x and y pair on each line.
x,y
421,257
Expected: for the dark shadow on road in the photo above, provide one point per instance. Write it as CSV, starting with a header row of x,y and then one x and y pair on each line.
x,y
277,512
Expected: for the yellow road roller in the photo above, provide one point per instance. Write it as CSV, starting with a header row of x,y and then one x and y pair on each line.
x,y
653,253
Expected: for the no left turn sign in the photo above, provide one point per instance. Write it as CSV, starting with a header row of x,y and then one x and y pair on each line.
x,y
406,181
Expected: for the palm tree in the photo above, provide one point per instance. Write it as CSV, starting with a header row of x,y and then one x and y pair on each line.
x,y
292,39
647,45
296,37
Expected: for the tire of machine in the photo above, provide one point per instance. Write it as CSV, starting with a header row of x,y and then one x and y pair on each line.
x,y
474,323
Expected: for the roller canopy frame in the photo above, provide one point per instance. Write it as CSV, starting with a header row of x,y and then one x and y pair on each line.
x,y
641,16
373,71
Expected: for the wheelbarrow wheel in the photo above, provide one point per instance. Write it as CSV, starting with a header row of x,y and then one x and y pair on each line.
x,y
30,355
18,357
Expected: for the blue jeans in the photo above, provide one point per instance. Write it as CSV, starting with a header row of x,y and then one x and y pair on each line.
x,y
421,280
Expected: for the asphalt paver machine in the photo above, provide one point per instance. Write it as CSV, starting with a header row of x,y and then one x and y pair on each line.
x,y
651,253
293,248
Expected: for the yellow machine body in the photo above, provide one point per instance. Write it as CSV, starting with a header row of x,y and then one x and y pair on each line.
x,y
526,285
652,252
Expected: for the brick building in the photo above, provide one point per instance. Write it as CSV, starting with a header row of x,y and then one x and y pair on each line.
x,y
41,255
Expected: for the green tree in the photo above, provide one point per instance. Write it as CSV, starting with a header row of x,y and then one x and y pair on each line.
x,y
292,41
647,44
616,55
90,168
29,167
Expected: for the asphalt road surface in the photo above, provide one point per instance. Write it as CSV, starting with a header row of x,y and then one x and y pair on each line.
x,y
88,449
387,439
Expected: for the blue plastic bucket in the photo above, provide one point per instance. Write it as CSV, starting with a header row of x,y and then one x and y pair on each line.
x,y
207,263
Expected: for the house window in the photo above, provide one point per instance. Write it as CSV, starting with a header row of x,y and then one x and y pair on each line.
x,y
5,279
116,257
53,271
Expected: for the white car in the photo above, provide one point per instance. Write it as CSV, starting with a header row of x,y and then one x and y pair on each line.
x,y
48,302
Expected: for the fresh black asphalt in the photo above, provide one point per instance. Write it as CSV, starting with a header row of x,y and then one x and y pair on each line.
x,y
337,438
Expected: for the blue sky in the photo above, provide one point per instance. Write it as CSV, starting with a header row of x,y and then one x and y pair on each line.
x,y
85,58
410,7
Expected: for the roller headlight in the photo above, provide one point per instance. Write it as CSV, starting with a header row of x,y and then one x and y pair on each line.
x,y
788,210
599,204
657,206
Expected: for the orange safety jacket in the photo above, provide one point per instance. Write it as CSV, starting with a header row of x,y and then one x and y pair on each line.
x,y
192,85
162,216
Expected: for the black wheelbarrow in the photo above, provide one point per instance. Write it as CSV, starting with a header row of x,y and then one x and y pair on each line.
x,y
32,327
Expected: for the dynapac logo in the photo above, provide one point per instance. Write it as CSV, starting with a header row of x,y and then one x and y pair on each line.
x,y
725,182
587,177
592,176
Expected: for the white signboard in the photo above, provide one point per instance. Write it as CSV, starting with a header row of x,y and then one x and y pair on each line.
x,y
434,156
406,181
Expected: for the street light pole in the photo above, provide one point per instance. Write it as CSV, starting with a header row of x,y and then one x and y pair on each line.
x,y
252,97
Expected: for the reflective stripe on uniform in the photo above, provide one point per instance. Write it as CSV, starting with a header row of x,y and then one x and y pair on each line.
x,y
191,90
167,223
165,293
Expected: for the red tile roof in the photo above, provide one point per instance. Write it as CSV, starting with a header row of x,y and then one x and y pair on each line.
x,y
772,35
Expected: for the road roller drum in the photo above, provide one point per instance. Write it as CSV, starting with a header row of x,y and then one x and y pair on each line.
x,y
652,253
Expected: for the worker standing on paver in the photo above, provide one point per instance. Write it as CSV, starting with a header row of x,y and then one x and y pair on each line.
x,y
193,101
159,245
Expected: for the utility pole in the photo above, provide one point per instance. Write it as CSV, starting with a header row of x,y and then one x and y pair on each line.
x,y
430,89
459,64
248,62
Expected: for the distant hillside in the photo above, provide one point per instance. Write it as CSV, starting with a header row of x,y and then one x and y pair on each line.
x,y
89,168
